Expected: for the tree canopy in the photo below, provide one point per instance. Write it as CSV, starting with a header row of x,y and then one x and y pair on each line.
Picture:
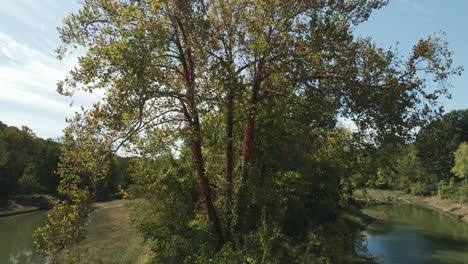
x,y
249,91
461,161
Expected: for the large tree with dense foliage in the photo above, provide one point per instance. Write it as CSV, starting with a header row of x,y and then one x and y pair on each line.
x,y
247,90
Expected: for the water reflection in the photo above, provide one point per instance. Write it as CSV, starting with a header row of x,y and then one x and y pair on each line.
x,y
412,234
16,243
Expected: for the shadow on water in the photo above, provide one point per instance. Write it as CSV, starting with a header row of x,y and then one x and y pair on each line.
x,y
412,234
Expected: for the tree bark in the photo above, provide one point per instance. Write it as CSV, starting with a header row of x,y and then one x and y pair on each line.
x,y
249,133
228,174
193,118
249,136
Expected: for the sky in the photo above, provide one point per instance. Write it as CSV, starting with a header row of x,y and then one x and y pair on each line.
x,y
29,69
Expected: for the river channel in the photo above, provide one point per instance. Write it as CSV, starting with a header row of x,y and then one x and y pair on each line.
x,y
409,234
16,243
417,235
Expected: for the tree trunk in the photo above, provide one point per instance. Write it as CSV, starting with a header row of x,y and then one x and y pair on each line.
x,y
249,136
197,155
228,174
203,184
229,136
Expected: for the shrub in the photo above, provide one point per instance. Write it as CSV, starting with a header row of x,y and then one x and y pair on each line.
x,y
421,188
452,191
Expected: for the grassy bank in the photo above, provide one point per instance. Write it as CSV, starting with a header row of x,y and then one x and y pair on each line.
x,y
457,209
111,238
26,203
15,209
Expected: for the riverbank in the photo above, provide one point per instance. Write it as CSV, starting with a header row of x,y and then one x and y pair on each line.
x,y
111,238
22,204
457,209
18,209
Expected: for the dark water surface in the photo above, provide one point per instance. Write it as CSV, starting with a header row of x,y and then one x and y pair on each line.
x,y
16,243
417,235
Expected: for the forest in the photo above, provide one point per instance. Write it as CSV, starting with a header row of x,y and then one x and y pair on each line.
x,y
223,125
28,166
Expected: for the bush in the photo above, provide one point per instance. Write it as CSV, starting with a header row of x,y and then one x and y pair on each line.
x,y
452,191
421,188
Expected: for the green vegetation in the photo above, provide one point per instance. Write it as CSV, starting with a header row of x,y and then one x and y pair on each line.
x,y
28,166
461,161
228,112
433,164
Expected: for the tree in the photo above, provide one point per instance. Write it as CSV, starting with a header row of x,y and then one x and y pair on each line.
x,y
2,126
20,148
267,75
461,161
29,182
437,142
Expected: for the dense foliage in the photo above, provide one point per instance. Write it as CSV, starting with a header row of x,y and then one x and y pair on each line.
x,y
28,167
27,163
230,110
435,163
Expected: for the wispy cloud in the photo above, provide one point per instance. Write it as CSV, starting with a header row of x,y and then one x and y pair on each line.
x,y
418,5
28,80
35,14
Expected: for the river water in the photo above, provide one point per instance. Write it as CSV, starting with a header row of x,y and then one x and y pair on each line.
x,y
16,243
410,234
417,235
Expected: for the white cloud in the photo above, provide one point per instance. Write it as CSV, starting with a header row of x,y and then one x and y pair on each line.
x,y
33,100
347,123
42,125
33,13
419,6
19,52
28,82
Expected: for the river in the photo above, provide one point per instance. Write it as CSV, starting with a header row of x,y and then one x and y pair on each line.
x,y
409,234
16,243
417,235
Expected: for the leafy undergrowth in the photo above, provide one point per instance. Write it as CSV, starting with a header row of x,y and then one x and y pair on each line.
x,y
111,239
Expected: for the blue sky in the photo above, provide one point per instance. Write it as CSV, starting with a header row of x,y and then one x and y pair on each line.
x,y
29,69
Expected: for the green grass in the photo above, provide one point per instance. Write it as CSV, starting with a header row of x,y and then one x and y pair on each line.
x,y
111,239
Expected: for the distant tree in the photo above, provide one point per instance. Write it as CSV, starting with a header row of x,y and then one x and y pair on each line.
x,y
4,181
27,163
29,180
21,148
437,142
2,126
461,161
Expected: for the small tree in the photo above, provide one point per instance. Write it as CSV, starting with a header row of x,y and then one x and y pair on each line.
x,y
461,161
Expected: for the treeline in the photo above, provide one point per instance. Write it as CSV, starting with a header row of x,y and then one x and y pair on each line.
x,y
28,164
435,162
